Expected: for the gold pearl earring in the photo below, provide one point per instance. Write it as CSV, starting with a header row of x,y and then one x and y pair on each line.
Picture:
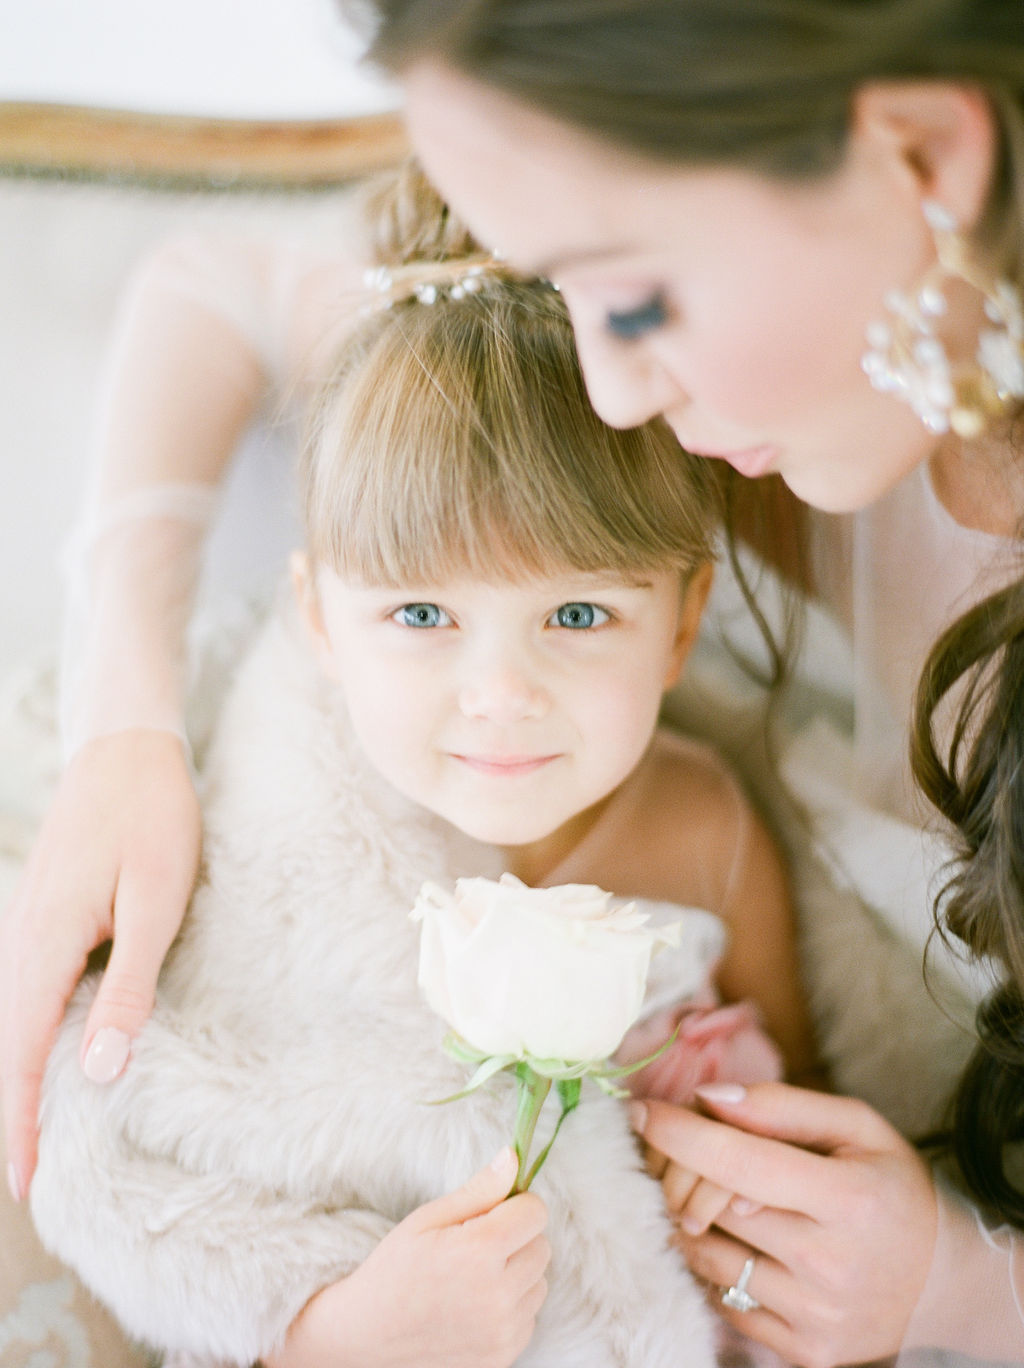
x,y
907,359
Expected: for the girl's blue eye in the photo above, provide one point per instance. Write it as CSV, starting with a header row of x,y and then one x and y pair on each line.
x,y
421,615
578,616
633,323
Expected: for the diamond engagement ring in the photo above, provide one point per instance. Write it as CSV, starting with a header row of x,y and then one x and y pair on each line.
x,y
737,1296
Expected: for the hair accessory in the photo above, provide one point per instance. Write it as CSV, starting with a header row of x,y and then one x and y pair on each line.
x,y
907,359
428,282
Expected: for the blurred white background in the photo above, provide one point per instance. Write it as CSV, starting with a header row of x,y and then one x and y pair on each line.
x,y
273,59
66,247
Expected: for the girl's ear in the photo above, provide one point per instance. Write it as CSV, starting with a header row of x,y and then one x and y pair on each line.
x,y
939,138
307,600
691,611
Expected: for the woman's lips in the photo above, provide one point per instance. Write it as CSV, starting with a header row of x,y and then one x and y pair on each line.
x,y
753,463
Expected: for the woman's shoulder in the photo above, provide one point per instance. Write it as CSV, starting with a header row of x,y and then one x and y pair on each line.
x,y
279,292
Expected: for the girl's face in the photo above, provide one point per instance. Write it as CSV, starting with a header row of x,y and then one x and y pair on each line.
x,y
734,305
511,710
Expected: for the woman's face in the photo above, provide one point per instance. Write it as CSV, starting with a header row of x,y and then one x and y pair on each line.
x,y
734,305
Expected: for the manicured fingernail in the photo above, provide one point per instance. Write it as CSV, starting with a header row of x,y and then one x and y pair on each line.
x,y
107,1055
12,1181
637,1116
743,1206
691,1225
721,1094
504,1159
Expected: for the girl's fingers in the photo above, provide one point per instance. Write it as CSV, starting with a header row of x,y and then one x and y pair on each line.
x,y
677,1184
533,1298
655,1162
526,1266
705,1203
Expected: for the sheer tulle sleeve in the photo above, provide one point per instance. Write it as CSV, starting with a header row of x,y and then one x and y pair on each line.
x,y
202,334
972,1306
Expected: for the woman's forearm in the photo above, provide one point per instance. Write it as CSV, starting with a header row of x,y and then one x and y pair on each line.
x,y
972,1302
183,379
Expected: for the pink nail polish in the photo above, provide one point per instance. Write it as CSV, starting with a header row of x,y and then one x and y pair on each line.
x,y
12,1182
107,1055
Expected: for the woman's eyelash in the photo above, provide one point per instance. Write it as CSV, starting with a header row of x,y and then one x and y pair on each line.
x,y
628,324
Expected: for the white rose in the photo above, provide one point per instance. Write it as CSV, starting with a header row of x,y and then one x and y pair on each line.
x,y
555,973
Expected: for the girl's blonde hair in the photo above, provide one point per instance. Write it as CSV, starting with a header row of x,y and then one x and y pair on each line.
x,y
456,437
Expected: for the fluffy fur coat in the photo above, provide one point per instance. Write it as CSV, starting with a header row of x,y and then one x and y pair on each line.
x,y
271,1129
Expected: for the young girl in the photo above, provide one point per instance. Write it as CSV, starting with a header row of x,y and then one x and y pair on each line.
x,y
498,588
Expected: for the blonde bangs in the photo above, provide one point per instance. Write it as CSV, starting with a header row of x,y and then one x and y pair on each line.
x,y
457,439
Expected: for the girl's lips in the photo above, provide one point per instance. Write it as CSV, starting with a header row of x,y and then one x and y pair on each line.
x,y
505,765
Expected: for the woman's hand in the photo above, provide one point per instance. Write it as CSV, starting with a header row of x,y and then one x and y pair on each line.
x,y
837,1209
457,1284
115,858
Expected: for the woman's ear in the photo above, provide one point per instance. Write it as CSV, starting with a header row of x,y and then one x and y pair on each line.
x,y
941,139
691,611
307,600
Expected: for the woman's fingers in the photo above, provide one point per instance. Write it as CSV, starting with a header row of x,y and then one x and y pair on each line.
x,y
705,1204
780,1156
116,857
148,910
40,965
677,1184
765,1171
816,1120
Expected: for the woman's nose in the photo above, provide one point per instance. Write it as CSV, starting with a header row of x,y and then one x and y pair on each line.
x,y
626,381
501,694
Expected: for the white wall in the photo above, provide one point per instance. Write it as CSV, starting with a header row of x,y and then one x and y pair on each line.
x,y
276,59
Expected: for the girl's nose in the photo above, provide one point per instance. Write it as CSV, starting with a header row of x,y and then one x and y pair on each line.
x,y
626,381
501,695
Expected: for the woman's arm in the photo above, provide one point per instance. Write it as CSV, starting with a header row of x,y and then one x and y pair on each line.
x,y
117,853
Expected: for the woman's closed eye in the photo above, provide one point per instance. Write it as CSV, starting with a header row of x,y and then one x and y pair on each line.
x,y
421,615
629,324
579,616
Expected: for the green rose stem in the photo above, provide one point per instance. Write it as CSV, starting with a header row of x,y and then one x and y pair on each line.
x,y
532,1089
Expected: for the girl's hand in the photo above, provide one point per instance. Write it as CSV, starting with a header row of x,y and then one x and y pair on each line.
x,y
457,1284
837,1209
115,858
